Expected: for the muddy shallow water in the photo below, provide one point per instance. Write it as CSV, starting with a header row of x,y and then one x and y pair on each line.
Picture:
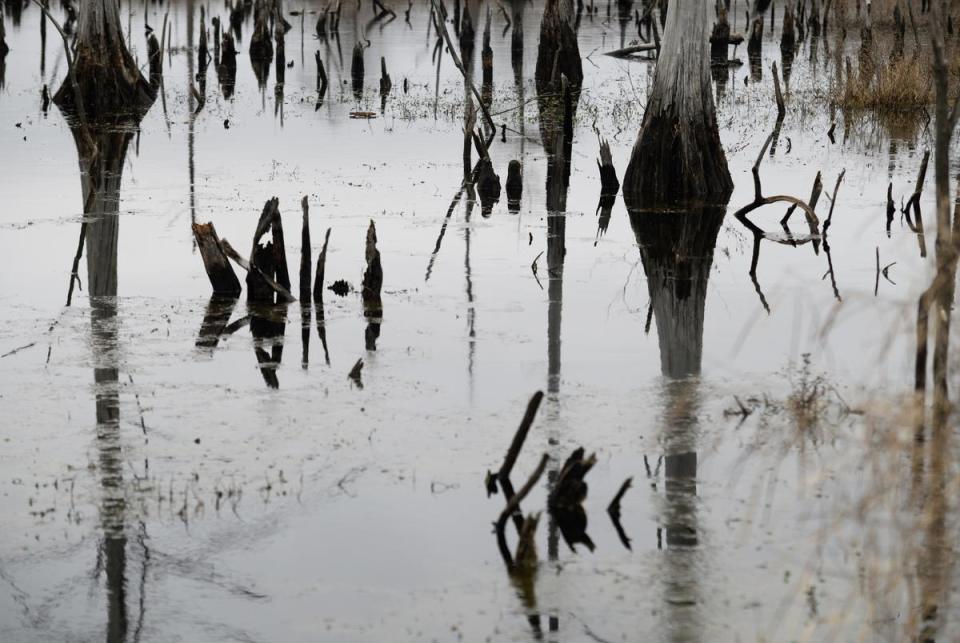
x,y
156,490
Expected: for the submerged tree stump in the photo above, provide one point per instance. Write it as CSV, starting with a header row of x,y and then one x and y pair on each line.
x,y
104,73
558,53
678,154
372,276
219,270
514,183
356,71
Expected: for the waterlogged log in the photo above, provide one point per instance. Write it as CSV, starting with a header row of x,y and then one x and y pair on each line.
x,y
222,277
372,276
678,154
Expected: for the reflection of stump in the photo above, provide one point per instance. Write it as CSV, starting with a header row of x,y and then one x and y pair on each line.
x,y
677,251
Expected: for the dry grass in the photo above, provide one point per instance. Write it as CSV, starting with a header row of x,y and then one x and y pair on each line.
x,y
902,85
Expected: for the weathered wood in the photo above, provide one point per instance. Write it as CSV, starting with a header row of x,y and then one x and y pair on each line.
x,y
305,261
105,81
609,184
787,35
628,52
356,70
321,76
243,263
321,266
372,276
385,83
519,437
203,53
261,42
154,59
222,277
781,109
513,504
720,37
678,154
558,53
514,182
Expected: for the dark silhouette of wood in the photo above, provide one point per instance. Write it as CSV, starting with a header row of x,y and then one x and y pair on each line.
x,y
222,278
678,155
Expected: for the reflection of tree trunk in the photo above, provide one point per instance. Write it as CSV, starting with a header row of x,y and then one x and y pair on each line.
x,y
677,251
681,568
101,187
112,505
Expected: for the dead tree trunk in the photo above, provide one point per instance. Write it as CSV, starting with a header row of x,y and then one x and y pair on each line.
x,y
104,73
678,154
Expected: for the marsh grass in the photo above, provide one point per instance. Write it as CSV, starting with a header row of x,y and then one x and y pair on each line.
x,y
903,85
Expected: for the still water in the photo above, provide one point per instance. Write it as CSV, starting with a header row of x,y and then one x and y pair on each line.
x,y
160,484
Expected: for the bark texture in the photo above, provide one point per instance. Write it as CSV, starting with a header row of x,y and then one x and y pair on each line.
x,y
678,155
108,80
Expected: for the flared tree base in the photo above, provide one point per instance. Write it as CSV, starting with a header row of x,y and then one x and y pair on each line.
x,y
676,161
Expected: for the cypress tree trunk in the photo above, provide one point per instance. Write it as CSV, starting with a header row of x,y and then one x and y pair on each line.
x,y
678,155
109,82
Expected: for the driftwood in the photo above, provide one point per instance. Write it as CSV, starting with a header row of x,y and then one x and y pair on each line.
x,y
222,277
